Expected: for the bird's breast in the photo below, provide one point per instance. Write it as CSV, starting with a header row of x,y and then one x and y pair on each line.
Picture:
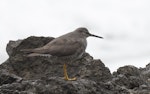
x,y
81,50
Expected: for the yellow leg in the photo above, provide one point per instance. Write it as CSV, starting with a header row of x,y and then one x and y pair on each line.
x,y
66,75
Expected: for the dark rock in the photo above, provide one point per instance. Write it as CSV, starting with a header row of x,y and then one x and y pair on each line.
x,y
30,42
42,75
129,71
146,73
56,85
87,70
11,46
133,79
128,76
7,78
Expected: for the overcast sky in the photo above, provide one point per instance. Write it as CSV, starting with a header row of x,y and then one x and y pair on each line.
x,y
124,24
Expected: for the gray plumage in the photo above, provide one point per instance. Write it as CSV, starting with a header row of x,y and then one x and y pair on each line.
x,y
72,44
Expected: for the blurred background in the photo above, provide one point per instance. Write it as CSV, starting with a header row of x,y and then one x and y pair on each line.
x,y
124,24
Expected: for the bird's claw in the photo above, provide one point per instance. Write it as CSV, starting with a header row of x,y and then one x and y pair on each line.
x,y
71,79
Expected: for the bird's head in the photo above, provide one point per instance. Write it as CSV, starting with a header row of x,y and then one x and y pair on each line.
x,y
85,33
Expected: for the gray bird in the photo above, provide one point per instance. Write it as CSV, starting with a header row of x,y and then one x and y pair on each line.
x,y
68,47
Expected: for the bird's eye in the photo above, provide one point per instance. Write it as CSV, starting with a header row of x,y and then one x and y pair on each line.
x,y
87,32
81,31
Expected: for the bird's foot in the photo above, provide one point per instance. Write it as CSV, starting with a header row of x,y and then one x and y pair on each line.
x,y
66,75
70,79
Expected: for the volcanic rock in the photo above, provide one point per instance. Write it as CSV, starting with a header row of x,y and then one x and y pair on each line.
x,y
43,75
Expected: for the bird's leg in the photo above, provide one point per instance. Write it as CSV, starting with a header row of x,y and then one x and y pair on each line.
x,y
66,75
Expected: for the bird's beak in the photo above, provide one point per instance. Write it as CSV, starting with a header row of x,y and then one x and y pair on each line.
x,y
96,36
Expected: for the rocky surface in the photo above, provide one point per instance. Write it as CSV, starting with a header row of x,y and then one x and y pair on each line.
x,y
41,75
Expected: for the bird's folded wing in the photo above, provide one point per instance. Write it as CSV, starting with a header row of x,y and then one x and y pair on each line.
x,y
59,48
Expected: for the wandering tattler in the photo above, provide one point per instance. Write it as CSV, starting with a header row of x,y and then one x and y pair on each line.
x,y
68,47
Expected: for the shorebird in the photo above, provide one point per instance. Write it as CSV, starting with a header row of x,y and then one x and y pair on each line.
x,y
68,47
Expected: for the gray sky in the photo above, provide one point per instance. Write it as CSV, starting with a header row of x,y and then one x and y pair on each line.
x,y
124,24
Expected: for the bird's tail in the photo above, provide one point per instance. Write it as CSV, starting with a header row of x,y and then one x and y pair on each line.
x,y
33,55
